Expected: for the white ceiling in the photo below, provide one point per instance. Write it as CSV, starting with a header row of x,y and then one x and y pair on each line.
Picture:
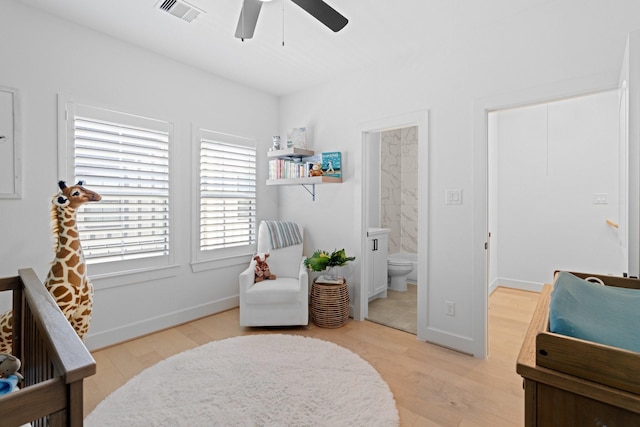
x,y
379,31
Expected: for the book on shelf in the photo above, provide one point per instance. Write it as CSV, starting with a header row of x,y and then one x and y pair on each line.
x,y
330,280
332,164
286,168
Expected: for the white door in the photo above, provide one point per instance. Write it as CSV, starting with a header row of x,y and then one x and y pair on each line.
x,y
629,144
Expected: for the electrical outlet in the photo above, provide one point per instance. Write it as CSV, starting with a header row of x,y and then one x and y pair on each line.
x,y
451,308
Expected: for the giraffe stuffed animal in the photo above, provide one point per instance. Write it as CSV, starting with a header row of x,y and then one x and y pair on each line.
x,y
67,280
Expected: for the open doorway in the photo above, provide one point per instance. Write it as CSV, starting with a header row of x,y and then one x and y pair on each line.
x,y
554,191
372,280
487,234
394,212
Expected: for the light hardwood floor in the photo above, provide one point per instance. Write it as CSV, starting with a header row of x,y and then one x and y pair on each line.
x,y
433,386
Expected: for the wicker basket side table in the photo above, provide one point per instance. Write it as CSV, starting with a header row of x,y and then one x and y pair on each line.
x,y
329,304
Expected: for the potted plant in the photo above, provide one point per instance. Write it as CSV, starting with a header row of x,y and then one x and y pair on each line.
x,y
323,260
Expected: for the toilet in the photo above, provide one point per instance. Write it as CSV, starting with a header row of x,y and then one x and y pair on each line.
x,y
398,269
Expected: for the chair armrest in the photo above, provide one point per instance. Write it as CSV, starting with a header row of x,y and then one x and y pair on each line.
x,y
247,277
303,276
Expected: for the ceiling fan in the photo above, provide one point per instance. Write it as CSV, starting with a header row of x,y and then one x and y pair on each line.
x,y
316,8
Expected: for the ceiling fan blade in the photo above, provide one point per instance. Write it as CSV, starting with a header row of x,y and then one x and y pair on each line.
x,y
248,19
323,13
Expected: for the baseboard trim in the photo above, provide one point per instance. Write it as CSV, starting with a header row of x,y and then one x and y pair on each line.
x,y
137,329
455,342
515,284
493,286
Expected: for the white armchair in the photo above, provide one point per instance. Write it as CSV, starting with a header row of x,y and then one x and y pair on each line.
x,y
285,300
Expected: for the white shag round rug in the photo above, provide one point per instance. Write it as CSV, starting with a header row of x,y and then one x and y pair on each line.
x,y
253,380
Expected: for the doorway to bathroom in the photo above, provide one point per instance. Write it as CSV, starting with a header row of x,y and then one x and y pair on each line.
x,y
395,184
396,212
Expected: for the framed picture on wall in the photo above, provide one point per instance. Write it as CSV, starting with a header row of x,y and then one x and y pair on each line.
x,y
10,161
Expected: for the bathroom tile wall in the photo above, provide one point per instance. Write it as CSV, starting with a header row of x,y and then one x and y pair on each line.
x,y
390,184
409,183
399,188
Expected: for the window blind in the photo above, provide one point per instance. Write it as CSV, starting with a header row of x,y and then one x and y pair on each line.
x,y
128,165
227,194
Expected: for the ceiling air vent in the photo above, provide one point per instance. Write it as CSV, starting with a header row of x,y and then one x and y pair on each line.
x,y
180,9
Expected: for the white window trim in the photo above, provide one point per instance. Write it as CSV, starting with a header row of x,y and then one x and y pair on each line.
x,y
206,260
66,172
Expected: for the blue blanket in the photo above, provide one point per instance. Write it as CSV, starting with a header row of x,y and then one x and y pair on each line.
x,y
283,234
7,385
603,314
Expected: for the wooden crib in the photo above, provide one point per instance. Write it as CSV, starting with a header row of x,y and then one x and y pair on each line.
x,y
54,359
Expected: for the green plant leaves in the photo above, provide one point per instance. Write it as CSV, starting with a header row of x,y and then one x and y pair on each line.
x,y
320,260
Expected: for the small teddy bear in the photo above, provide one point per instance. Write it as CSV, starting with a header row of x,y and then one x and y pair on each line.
x,y
9,365
316,170
262,269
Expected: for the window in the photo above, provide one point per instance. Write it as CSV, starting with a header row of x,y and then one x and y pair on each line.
x,y
227,196
125,159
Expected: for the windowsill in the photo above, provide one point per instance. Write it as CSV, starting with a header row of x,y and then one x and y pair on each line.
x,y
128,277
213,264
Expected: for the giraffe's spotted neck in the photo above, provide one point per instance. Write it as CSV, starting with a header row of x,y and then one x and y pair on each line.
x,y
68,269
67,234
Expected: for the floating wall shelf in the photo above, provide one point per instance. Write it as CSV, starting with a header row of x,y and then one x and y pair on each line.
x,y
309,183
289,152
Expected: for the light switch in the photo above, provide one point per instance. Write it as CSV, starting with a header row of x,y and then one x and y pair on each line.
x,y
600,198
453,197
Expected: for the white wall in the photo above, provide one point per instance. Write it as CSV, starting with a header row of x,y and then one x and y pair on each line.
x,y
552,159
576,42
43,56
554,45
